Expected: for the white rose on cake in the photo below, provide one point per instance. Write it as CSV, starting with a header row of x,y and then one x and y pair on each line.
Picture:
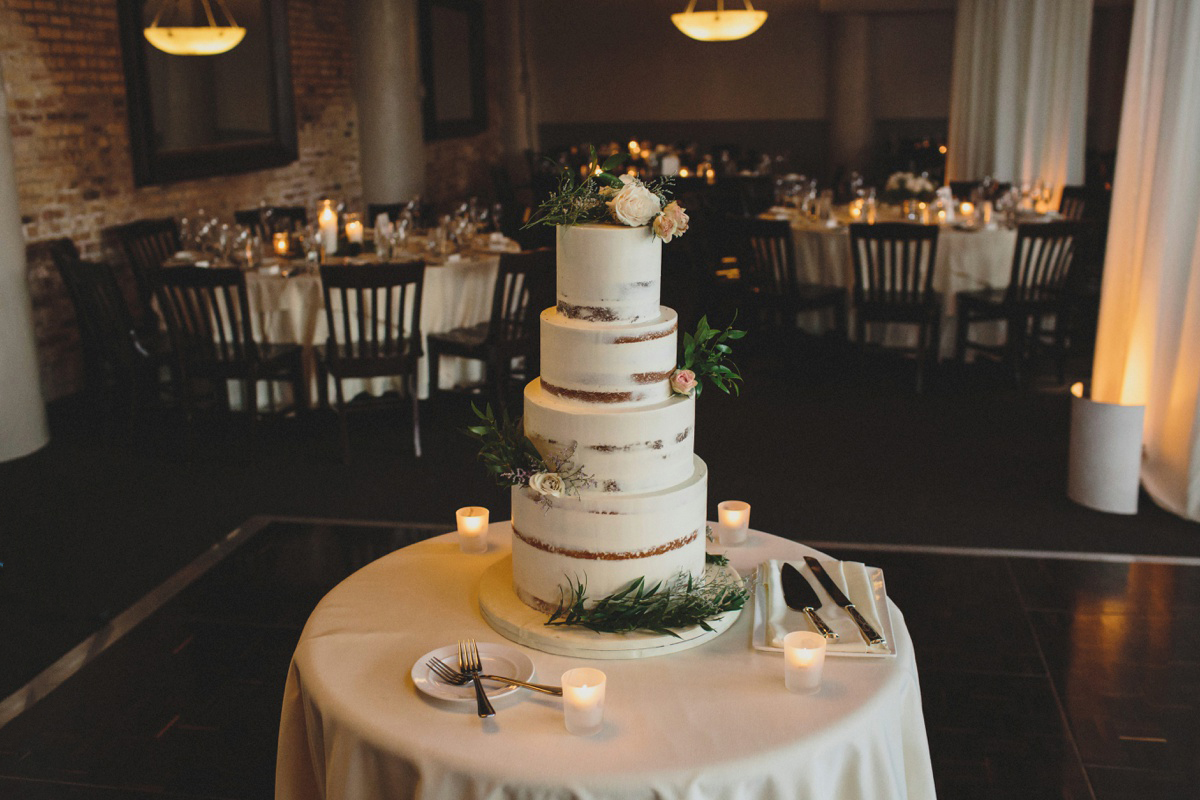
x,y
548,484
634,205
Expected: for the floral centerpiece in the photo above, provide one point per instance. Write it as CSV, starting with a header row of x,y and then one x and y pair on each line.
x,y
606,197
902,186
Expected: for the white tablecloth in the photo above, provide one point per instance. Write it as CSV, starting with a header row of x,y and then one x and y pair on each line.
x,y
965,260
711,722
292,310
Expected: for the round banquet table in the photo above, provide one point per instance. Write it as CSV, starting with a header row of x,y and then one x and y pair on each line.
x,y
966,260
291,309
714,721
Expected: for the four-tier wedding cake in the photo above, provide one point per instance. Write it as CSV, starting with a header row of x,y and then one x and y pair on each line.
x,y
604,402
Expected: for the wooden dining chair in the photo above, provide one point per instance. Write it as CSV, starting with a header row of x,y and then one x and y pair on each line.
x,y
767,263
524,287
373,313
119,368
894,265
208,316
1041,268
146,244
272,219
1073,203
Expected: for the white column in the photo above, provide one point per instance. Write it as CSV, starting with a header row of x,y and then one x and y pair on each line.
x,y
22,411
851,121
388,92
1018,99
1148,341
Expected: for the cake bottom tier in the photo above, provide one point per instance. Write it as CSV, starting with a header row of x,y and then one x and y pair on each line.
x,y
606,541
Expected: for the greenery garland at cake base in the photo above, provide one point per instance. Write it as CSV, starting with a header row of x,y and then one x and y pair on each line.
x,y
680,603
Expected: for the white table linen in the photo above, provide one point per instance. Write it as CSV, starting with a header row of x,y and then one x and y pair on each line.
x,y
711,722
966,260
292,310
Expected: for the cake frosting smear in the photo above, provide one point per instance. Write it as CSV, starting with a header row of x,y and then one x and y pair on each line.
x,y
608,350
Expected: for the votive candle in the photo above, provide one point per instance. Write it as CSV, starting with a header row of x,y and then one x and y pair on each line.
x,y
354,231
583,700
803,661
472,529
282,244
967,208
733,520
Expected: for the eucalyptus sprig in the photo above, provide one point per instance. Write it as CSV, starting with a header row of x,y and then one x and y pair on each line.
x,y
707,354
506,452
680,603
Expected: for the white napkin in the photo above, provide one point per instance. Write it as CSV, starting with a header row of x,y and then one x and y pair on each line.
x,y
383,226
851,577
946,195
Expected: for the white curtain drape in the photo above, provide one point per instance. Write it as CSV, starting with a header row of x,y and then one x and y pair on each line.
x,y
1018,96
1148,341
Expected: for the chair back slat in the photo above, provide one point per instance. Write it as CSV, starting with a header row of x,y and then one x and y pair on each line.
x,y
893,262
523,282
1042,259
373,312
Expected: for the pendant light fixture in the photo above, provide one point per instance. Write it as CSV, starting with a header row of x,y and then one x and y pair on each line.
x,y
719,25
195,40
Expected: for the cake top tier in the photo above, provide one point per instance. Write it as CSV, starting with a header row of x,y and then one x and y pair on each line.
x,y
608,273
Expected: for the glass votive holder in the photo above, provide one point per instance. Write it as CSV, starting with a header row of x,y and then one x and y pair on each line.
x,y
472,529
583,700
733,520
354,229
803,661
282,243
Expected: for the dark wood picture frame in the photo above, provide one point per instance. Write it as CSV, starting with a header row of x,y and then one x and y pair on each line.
x,y
152,166
472,50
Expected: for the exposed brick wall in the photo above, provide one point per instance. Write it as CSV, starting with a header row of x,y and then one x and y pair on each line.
x,y
63,74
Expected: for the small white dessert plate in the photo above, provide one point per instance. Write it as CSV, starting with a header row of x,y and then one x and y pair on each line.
x,y
498,659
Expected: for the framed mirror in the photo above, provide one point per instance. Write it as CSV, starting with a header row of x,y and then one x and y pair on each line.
x,y
195,116
452,68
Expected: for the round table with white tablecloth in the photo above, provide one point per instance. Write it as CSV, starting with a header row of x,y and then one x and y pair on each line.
x,y
714,721
966,260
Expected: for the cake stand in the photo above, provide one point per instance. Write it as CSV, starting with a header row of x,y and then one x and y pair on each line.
x,y
514,620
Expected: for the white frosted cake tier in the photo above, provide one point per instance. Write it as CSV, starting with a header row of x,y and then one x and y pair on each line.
x,y
641,449
607,540
608,273
607,363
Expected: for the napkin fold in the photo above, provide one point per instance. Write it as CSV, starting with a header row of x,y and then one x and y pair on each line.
x,y
851,577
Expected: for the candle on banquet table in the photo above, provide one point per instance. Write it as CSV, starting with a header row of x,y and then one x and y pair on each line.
x,y
987,212
733,520
967,208
870,210
472,529
941,215
327,222
803,661
354,229
282,244
923,208
583,700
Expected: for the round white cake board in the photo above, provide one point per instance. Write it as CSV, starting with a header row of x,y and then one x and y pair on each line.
x,y
514,620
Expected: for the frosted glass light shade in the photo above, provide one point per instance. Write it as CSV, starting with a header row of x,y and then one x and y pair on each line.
x,y
201,40
719,26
